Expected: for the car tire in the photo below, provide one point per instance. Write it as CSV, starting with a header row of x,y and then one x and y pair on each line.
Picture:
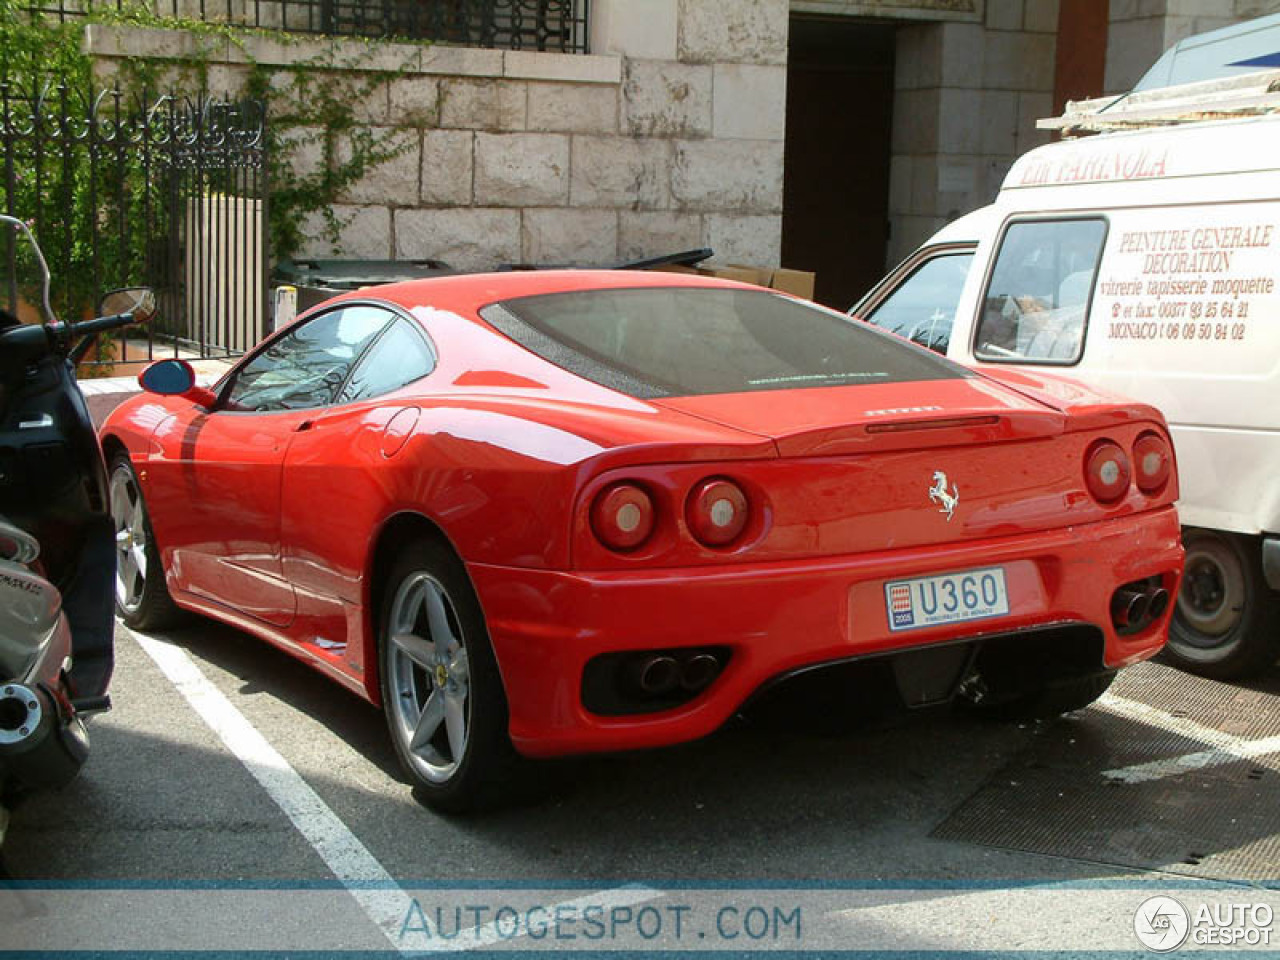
x,y
1226,624
434,655
1049,702
142,596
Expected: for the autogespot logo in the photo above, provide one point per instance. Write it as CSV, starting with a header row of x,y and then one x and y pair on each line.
x,y
1161,923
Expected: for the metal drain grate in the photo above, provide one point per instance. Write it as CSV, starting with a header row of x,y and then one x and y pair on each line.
x,y
1220,818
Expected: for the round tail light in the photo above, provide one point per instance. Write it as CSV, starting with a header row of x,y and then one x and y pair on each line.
x,y
1152,462
622,516
717,512
1106,471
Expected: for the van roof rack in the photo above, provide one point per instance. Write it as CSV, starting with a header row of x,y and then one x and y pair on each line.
x,y
1248,94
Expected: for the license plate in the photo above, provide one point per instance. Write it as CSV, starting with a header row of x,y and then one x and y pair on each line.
x,y
946,598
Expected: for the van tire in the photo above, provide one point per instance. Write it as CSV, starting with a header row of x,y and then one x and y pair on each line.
x,y
1226,624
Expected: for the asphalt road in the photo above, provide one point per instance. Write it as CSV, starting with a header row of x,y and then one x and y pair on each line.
x,y
165,804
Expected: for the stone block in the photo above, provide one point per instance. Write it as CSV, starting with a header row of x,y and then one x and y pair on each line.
x,y
521,169
468,238
751,240
963,54
960,120
728,176
461,61
394,182
1019,61
587,238
1004,14
663,99
917,61
1000,122
304,148
414,101
900,172
447,167
647,30
749,102
362,233
1132,46
620,172
1041,16
483,104
915,121
572,108
644,234
565,67
743,31
1031,107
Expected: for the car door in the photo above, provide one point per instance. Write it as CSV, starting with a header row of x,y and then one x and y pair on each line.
x,y
229,461
333,491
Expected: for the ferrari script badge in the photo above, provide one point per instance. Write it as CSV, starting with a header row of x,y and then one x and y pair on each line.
x,y
938,494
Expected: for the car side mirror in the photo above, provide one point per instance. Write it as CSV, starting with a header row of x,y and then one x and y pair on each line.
x,y
139,301
175,378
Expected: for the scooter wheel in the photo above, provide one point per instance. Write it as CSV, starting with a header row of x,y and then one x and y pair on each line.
x,y
142,596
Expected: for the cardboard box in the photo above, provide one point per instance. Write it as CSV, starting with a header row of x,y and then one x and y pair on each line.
x,y
799,283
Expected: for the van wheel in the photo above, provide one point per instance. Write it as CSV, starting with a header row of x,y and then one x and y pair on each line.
x,y
1225,624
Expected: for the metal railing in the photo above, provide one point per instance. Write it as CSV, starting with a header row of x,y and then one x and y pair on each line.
x,y
154,190
545,25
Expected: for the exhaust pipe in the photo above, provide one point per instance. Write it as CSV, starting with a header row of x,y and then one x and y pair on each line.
x,y
658,675
699,670
35,745
1130,607
1158,603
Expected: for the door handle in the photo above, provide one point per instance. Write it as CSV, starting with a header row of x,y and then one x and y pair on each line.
x,y
304,425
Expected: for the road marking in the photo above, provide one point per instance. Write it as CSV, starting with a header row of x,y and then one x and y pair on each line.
x,y
351,862
1225,747
368,882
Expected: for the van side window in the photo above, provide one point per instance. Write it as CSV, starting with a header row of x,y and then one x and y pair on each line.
x,y
1036,303
923,307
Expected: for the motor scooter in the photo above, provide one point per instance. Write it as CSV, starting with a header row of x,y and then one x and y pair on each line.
x,y
57,542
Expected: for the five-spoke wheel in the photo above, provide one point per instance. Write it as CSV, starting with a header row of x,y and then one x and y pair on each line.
x,y
142,597
441,690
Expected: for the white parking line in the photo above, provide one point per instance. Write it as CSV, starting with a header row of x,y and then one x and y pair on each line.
x,y
1225,747
351,862
368,882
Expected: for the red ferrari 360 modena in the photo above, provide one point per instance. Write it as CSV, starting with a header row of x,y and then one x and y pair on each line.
x,y
539,514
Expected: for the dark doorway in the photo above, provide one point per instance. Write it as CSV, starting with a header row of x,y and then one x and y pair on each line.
x,y
839,120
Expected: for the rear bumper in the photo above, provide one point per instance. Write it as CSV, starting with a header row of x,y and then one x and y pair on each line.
x,y
778,618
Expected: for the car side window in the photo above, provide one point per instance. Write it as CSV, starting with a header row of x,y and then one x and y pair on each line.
x,y
398,357
1036,303
923,307
308,365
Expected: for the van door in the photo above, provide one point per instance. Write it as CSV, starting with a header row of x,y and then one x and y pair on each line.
x,y
920,298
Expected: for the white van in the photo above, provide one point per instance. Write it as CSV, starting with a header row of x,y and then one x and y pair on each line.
x,y
1145,263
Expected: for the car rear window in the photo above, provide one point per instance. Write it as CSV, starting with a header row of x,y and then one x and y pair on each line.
x,y
684,341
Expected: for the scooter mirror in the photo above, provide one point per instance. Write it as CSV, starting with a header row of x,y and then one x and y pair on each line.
x,y
139,301
169,378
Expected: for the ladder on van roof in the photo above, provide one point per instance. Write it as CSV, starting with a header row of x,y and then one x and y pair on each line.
x,y
1250,94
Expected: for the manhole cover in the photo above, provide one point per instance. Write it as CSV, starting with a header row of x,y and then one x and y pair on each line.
x,y
1170,772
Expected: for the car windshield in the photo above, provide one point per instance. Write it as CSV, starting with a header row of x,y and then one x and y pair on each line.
x,y
682,341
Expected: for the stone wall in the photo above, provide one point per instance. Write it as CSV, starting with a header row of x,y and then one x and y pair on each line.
x,y
966,101
669,136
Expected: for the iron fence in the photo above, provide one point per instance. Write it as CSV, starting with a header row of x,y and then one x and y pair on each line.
x,y
546,25
156,190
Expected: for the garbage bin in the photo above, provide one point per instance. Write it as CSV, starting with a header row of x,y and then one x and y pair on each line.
x,y
318,280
